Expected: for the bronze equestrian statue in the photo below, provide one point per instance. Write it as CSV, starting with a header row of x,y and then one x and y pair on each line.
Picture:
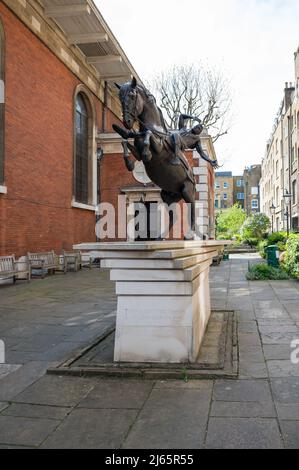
x,y
160,149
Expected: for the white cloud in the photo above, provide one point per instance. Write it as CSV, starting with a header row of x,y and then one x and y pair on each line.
x,y
252,40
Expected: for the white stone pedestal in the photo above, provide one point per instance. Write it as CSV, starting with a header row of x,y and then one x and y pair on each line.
x,y
163,298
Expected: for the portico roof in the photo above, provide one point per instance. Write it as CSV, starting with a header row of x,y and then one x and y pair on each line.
x,y
85,27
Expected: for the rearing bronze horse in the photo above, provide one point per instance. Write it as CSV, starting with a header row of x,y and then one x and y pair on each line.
x,y
160,149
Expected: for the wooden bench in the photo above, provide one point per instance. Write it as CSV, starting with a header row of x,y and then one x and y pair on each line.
x,y
43,261
85,260
72,260
217,259
9,268
76,260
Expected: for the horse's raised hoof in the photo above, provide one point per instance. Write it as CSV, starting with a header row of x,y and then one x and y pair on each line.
x,y
175,161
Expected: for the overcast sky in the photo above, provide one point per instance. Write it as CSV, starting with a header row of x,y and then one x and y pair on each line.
x,y
252,41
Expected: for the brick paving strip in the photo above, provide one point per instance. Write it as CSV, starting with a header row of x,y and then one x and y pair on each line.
x,y
46,321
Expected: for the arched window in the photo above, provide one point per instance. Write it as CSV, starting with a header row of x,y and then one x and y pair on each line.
x,y
85,149
82,153
2,100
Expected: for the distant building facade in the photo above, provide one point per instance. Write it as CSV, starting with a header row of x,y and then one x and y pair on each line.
x,y
280,168
243,189
251,180
239,195
224,190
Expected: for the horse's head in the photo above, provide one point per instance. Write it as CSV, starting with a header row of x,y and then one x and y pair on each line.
x,y
131,101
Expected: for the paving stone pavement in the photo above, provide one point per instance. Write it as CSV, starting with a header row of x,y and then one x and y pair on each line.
x,y
45,321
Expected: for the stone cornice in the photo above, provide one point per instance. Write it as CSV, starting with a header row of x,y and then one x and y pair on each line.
x,y
31,13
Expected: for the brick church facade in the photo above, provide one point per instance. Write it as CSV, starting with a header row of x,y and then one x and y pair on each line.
x,y
59,156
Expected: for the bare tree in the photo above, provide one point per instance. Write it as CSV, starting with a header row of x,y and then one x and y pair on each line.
x,y
197,91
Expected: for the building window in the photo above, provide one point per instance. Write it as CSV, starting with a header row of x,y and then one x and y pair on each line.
x,y
217,186
84,149
2,101
294,192
240,196
216,204
225,196
225,185
254,204
240,183
254,191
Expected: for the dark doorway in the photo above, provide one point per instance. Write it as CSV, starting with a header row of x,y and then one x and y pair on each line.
x,y
147,222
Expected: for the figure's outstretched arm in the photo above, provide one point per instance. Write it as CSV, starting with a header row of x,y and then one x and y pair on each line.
x,y
205,157
185,117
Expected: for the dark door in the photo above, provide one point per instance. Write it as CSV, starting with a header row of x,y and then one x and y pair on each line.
x,y
146,217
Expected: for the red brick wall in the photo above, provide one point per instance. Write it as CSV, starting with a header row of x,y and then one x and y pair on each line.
x,y
36,213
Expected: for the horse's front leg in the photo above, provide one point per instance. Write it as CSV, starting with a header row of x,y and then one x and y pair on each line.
x,y
124,133
129,163
146,153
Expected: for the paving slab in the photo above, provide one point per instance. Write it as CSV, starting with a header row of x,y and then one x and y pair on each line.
x,y
25,431
24,376
165,408
277,351
243,433
290,432
36,411
92,429
251,354
126,394
204,385
6,369
256,370
279,337
282,368
242,390
287,411
286,390
56,391
3,405
236,409
248,327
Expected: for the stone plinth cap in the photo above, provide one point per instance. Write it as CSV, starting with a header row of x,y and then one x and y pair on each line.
x,y
151,245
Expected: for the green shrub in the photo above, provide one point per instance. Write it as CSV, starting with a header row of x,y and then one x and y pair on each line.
x,y
224,236
276,237
251,241
262,272
255,226
229,221
281,246
291,260
261,247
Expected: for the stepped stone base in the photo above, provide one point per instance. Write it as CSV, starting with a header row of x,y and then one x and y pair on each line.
x,y
163,304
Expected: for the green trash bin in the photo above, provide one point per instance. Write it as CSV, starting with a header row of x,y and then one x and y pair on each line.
x,y
272,253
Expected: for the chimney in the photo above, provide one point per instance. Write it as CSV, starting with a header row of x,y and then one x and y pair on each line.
x,y
288,94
